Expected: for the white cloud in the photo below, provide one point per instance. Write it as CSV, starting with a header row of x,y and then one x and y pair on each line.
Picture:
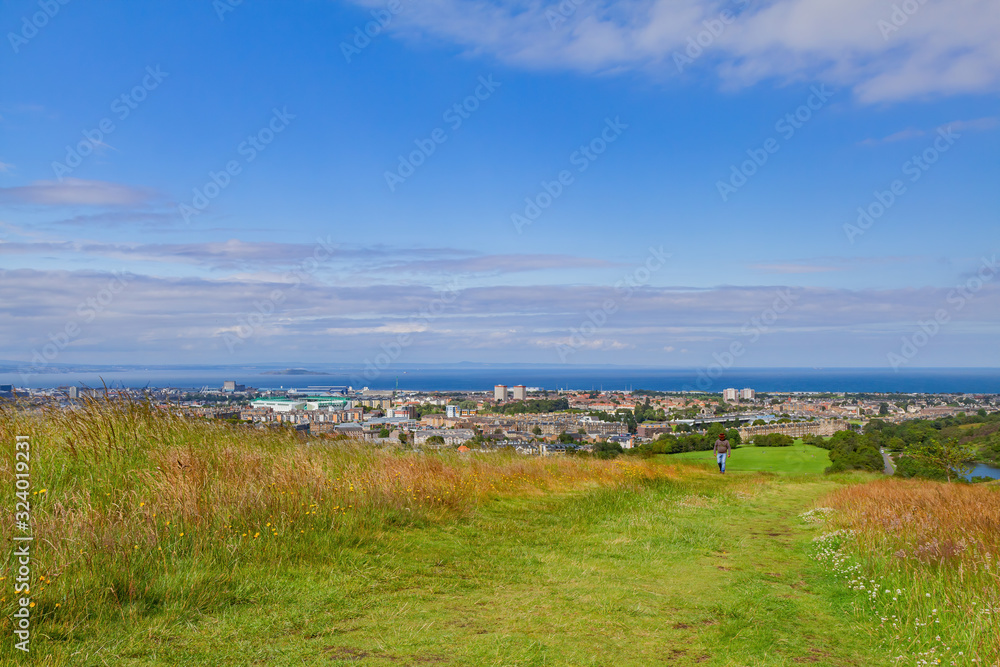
x,y
942,48
169,319
976,125
77,192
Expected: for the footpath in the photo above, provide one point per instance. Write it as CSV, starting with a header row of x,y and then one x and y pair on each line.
x,y
713,571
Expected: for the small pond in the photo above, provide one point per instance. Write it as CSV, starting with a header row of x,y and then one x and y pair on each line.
x,y
983,470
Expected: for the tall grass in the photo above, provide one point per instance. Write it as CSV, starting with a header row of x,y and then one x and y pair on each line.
x,y
927,557
135,508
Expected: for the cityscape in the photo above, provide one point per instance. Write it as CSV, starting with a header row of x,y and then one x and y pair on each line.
x,y
528,420
535,333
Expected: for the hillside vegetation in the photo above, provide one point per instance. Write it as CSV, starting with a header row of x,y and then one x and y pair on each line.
x,y
162,541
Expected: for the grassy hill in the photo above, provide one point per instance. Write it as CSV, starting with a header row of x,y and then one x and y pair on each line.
x,y
798,458
161,541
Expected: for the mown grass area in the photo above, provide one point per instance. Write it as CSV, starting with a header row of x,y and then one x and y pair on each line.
x,y
161,541
799,458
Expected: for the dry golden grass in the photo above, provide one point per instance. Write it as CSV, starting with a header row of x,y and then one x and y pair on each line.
x,y
927,521
127,498
925,556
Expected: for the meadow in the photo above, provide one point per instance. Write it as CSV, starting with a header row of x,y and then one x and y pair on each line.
x,y
799,458
162,541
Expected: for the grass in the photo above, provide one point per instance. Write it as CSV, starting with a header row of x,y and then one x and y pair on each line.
x,y
799,459
162,541
926,556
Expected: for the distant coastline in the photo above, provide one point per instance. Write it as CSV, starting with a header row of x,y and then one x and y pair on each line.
x,y
445,378
294,371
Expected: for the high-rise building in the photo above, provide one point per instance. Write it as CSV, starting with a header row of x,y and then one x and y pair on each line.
x,y
500,393
747,394
520,392
729,394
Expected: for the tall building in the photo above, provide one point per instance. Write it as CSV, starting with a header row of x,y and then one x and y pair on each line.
x,y
520,392
729,394
747,394
500,393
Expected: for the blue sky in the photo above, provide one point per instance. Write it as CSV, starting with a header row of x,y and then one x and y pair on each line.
x,y
649,254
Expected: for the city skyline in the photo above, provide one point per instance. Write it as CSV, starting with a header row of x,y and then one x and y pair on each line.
x,y
671,184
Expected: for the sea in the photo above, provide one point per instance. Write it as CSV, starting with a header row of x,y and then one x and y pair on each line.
x,y
477,377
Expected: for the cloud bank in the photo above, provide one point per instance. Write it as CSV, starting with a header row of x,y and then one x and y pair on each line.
x,y
884,51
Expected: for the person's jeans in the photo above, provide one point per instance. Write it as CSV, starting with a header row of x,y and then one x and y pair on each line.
x,y
721,458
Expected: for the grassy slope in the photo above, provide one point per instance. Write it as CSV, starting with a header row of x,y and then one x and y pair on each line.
x,y
710,571
799,458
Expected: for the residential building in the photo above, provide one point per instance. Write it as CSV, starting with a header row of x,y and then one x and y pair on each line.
x,y
450,436
500,393
520,392
747,394
729,394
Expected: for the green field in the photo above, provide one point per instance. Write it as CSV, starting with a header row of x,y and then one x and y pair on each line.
x,y
163,541
799,458
709,571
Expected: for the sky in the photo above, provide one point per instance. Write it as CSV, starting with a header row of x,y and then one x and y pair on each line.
x,y
664,183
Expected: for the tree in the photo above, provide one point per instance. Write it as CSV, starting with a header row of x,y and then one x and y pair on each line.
x,y
883,408
384,433
950,457
607,450
435,440
537,430
402,437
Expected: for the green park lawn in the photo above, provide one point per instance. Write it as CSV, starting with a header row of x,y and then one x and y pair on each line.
x,y
799,458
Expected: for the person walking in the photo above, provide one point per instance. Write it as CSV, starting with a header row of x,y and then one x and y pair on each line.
x,y
722,451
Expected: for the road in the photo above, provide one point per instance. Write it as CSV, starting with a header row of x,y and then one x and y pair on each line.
x,y
890,469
